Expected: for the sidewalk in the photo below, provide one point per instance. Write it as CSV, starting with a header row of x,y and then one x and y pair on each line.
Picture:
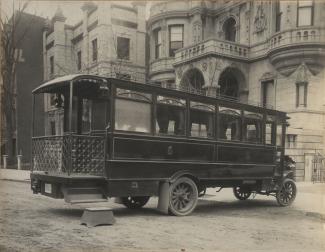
x,y
15,175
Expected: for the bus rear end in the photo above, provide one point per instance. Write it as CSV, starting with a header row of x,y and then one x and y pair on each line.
x,y
68,154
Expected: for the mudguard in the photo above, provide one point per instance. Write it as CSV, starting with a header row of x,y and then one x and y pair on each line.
x,y
163,200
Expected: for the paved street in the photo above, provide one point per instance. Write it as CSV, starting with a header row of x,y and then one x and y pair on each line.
x,y
220,223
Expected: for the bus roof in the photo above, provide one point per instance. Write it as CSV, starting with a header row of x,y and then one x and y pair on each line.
x,y
64,80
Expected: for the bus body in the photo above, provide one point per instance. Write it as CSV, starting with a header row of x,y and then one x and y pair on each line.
x,y
132,141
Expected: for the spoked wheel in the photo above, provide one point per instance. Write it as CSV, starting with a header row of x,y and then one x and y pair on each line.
x,y
135,202
242,193
287,193
183,197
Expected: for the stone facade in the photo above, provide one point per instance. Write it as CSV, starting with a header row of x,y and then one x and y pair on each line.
x,y
92,46
262,52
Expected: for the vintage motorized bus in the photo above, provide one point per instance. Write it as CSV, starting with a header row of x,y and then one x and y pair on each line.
x,y
133,141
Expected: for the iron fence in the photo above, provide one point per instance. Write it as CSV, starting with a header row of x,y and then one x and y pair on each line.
x,y
68,154
318,174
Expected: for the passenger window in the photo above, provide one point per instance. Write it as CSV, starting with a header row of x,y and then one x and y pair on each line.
x,y
170,116
252,127
201,120
229,124
99,117
133,111
269,130
279,135
86,116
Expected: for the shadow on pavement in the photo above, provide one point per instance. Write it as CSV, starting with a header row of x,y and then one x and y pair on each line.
x,y
66,212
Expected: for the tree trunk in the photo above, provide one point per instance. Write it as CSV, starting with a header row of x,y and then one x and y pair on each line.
x,y
9,140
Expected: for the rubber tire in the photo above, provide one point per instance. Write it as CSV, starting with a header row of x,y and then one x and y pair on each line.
x,y
239,196
183,180
279,193
135,202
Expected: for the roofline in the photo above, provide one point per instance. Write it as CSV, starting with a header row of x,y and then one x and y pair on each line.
x,y
138,85
63,79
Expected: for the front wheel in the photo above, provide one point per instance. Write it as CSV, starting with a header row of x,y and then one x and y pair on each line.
x,y
183,197
242,193
135,202
286,193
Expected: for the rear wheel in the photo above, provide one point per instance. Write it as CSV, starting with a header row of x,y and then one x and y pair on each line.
x,y
242,193
287,193
135,202
183,197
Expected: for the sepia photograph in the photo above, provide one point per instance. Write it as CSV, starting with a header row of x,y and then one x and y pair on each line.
x,y
176,125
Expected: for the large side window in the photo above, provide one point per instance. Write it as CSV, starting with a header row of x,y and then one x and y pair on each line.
x,y
133,111
252,127
201,120
229,124
170,116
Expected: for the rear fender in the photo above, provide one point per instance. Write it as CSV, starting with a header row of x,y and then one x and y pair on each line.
x,y
163,200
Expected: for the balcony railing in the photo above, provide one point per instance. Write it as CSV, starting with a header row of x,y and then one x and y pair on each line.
x,y
212,46
161,65
70,154
297,36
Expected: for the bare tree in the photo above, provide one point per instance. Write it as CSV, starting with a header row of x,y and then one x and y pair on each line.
x,y
13,32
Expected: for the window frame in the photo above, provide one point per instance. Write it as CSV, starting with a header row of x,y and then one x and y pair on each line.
x,y
127,95
52,64
298,94
170,27
264,93
291,144
119,51
94,44
211,108
79,61
158,45
311,7
278,16
248,118
235,113
179,102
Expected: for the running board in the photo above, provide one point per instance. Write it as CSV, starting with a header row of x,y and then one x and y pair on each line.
x,y
83,195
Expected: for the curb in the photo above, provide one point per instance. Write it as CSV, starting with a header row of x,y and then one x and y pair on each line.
x,y
16,180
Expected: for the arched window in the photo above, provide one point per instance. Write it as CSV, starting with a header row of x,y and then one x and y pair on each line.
x,y
229,28
193,81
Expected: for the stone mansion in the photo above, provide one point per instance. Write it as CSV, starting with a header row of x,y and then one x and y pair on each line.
x,y
270,53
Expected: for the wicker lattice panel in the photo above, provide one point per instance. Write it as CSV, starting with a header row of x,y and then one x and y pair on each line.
x,y
69,154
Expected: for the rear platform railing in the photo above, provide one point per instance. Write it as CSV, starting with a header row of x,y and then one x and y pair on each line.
x,y
70,154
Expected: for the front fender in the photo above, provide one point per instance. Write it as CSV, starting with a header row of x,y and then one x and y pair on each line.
x,y
288,174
